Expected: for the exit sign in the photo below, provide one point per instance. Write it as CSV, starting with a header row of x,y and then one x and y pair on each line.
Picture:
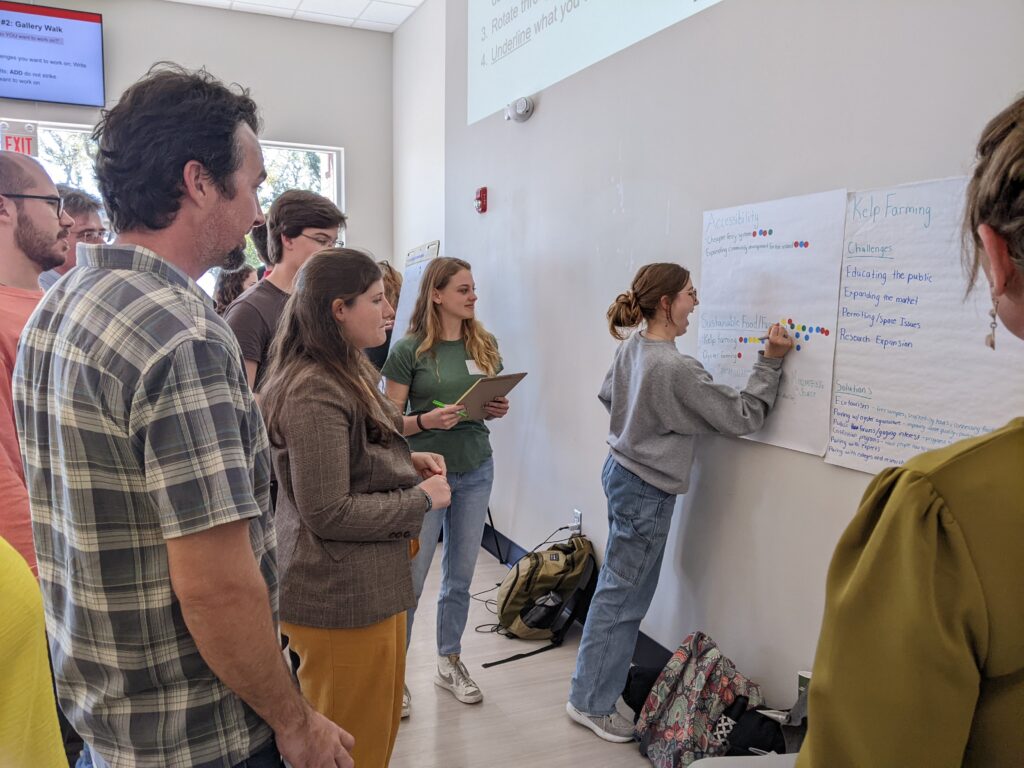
x,y
26,145
19,137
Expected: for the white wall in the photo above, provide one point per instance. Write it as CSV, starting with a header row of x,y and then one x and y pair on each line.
x,y
314,83
419,92
747,101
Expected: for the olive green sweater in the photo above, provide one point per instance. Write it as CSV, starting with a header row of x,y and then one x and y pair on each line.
x,y
921,656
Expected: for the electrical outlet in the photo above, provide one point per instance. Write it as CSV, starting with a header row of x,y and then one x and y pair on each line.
x,y
577,521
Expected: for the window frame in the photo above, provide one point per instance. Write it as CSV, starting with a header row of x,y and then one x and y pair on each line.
x,y
337,152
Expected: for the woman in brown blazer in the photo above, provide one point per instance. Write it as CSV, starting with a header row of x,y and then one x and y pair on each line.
x,y
352,497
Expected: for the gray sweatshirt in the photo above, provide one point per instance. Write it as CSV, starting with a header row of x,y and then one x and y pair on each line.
x,y
660,400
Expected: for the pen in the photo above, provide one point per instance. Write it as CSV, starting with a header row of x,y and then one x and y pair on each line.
x,y
439,404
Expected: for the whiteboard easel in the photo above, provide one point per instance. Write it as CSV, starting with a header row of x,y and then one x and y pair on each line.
x,y
416,262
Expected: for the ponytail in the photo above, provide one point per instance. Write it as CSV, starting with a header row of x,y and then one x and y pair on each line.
x,y
640,302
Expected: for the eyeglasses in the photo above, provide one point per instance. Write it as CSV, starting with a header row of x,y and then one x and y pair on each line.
x,y
692,293
55,200
93,236
324,241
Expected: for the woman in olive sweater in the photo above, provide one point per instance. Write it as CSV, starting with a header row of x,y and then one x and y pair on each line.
x,y
921,656
352,497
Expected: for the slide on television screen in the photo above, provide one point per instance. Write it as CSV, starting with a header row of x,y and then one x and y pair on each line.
x,y
50,54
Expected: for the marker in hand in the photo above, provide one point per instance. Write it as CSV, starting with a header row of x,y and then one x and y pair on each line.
x,y
439,404
764,338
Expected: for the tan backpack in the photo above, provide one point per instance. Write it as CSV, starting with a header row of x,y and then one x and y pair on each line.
x,y
546,591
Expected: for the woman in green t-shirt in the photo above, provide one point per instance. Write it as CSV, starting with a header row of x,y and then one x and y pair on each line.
x,y
445,350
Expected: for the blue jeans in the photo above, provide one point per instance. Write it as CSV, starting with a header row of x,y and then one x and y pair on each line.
x,y
639,517
267,757
463,524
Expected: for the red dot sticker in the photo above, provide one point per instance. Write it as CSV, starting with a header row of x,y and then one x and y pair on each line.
x,y
739,354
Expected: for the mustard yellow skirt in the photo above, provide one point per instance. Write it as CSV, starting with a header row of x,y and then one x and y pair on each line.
x,y
355,677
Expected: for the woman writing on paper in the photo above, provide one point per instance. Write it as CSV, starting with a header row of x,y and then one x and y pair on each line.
x,y
445,351
659,400
921,655
351,498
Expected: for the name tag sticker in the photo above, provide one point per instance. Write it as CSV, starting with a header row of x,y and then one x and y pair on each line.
x,y
473,368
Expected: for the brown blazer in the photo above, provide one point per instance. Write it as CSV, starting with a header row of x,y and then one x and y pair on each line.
x,y
346,511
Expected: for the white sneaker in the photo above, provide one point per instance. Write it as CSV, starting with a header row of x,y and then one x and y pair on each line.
x,y
452,676
406,702
613,727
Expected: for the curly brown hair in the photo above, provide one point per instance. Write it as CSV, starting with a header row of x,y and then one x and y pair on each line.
x,y
189,116
230,285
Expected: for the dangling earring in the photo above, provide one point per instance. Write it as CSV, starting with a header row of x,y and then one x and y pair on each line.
x,y
990,339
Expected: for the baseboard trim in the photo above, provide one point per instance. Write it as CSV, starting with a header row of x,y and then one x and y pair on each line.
x,y
647,653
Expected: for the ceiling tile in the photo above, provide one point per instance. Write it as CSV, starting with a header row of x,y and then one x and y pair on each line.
x,y
375,15
289,5
374,26
323,18
386,13
209,3
347,8
267,10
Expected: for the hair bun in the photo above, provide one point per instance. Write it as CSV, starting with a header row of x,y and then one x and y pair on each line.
x,y
632,301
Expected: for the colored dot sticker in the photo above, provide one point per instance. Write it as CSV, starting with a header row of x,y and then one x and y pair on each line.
x,y
825,331
807,337
754,233
791,325
797,347
803,327
796,243
770,231
739,354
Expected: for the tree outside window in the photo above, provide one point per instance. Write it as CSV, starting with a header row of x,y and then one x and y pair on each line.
x,y
67,154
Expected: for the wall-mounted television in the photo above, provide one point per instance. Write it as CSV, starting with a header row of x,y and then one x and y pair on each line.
x,y
51,54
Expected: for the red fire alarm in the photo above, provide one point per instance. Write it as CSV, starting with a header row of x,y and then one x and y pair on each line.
x,y
481,200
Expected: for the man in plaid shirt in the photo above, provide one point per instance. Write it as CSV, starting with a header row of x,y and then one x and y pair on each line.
x,y
147,460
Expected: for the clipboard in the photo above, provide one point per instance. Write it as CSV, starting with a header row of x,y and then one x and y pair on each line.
x,y
486,389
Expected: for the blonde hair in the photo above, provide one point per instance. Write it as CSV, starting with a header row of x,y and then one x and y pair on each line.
x,y
640,302
995,194
425,322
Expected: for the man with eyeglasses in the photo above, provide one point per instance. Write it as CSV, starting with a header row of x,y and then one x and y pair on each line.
x,y
34,229
88,228
299,224
34,236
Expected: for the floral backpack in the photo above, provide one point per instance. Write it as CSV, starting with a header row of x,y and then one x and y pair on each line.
x,y
682,718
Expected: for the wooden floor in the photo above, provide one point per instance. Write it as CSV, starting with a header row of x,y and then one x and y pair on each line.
x,y
521,720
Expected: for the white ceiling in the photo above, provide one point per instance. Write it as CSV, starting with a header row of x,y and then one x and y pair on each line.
x,y
377,15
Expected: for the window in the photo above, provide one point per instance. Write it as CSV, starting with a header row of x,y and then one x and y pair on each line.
x,y
66,151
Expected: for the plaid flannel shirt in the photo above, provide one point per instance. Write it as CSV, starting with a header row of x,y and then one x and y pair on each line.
x,y
137,426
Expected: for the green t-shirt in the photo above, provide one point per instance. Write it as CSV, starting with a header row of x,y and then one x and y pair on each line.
x,y
443,375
